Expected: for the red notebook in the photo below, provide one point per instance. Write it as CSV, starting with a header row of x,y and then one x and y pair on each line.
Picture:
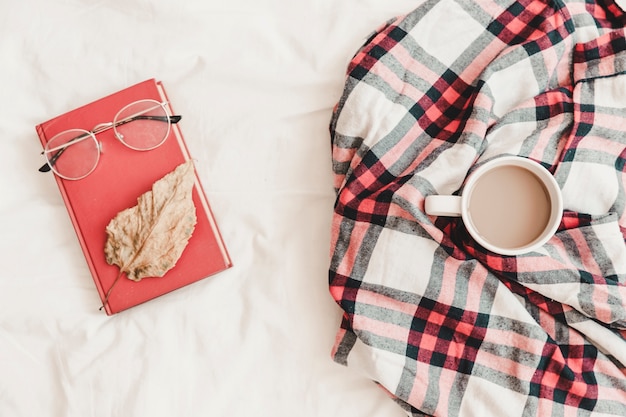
x,y
121,176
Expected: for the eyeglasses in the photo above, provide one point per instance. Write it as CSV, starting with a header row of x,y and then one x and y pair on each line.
x,y
74,154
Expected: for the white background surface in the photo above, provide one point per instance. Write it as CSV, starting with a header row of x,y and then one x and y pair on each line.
x,y
255,81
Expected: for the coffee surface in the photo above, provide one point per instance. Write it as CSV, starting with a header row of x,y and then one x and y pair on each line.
x,y
509,206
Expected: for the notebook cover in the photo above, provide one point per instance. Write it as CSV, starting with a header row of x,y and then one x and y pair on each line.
x,y
121,176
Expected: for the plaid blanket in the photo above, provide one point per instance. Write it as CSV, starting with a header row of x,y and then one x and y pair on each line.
x,y
447,328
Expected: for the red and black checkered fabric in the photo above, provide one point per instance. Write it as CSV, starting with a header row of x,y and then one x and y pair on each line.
x,y
446,327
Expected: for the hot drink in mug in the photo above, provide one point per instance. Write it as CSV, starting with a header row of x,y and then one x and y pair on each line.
x,y
510,205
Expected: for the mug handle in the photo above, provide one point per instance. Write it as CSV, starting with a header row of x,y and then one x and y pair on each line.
x,y
443,205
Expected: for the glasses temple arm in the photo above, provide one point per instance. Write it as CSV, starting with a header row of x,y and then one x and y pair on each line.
x,y
171,119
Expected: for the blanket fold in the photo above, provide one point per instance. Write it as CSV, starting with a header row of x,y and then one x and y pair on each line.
x,y
447,328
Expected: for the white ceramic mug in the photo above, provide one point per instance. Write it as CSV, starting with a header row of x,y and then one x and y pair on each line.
x,y
510,205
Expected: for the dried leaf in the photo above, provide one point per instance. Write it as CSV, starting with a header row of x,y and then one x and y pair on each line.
x,y
147,240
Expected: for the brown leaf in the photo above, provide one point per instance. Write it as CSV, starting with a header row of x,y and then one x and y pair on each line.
x,y
147,240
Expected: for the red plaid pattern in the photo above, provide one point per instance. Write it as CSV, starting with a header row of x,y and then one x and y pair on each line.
x,y
445,327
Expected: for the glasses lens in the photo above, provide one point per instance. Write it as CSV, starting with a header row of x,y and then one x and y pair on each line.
x,y
142,125
73,154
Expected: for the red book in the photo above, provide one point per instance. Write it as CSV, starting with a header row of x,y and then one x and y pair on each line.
x,y
121,176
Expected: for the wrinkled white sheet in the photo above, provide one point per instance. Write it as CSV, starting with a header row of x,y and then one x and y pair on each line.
x,y
255,81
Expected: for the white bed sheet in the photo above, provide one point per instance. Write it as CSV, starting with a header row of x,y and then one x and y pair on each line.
x,y
255,81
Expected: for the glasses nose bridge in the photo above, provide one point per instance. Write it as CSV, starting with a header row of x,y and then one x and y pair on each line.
x,y
101,127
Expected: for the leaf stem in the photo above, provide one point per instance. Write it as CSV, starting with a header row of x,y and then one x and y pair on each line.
x,y
106,297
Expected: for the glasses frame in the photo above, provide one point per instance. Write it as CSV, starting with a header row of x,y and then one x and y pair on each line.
x,y
83,134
